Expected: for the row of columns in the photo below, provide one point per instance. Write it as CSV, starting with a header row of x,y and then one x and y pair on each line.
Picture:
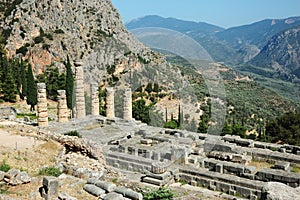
x,y
62,109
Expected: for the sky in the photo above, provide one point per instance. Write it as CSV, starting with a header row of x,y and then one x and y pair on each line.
x,y
224,13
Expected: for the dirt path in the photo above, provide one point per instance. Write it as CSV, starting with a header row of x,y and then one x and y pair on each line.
x,y
16,141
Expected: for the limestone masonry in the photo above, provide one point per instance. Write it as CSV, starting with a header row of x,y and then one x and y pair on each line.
x,y
62,109
79,91
42,109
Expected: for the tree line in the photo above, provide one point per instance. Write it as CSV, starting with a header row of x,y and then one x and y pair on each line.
x,y
18,80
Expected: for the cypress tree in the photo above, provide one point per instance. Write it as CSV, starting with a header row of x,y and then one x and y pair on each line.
x,y
31,89
69,84
23,79
9,88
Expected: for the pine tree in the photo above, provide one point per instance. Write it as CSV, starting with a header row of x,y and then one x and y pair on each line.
x,y
69,84
203,124
227,129
31,89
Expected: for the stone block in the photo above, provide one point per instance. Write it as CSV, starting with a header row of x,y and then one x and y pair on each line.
x,y
282,165
232,192
244,192
219,168
50,188
250,169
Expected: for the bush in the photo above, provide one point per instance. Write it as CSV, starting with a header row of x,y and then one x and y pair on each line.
x,y
38,39
50,171
74,134
59,31
161,193
4,167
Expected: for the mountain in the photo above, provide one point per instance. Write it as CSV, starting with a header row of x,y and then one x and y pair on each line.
x,y
258,33
203,33
248,40
90,31
233,46
188,27
282,55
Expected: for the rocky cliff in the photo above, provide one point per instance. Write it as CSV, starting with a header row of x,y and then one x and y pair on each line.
x,y
90,31
282,54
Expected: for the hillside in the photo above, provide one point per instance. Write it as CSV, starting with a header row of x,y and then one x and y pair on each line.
x,y
282,55
246,99
89,31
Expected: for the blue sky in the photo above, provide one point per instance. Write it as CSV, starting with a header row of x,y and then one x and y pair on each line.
x,y
224,13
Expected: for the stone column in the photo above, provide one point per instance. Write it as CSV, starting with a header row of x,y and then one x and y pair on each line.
x,y
110,103
127,104
94,99
62,108
42,105
80,101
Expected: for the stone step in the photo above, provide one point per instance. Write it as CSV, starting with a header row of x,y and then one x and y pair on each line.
x,y
155,181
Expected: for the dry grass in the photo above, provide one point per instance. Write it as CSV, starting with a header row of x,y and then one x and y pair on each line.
x,y
31,159
260,164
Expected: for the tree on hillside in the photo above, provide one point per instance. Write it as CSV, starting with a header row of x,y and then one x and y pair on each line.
x,y
23,66
140,111
69,86
203,124
31,89
285,129
227,129
8,85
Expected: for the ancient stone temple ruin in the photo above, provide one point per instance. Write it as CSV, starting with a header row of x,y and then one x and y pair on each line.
x,y
79,84
42,105
62,109
94,99
110,103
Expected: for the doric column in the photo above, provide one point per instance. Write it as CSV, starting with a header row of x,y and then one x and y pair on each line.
x,y
62,108
42,105
110,103
94,99
127,104
80,101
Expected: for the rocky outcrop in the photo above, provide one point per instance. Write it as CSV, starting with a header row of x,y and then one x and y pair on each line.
x,y
89,30
280,191
15,177
282,54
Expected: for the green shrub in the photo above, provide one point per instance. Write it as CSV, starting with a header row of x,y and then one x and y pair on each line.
x,y
59,31
50,171
73,133
4,167
38,39
162,193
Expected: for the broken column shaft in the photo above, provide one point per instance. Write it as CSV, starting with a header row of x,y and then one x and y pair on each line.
x,y
42,105
62,108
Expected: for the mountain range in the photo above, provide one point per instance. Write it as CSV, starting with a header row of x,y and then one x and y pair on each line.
x,y
269,48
